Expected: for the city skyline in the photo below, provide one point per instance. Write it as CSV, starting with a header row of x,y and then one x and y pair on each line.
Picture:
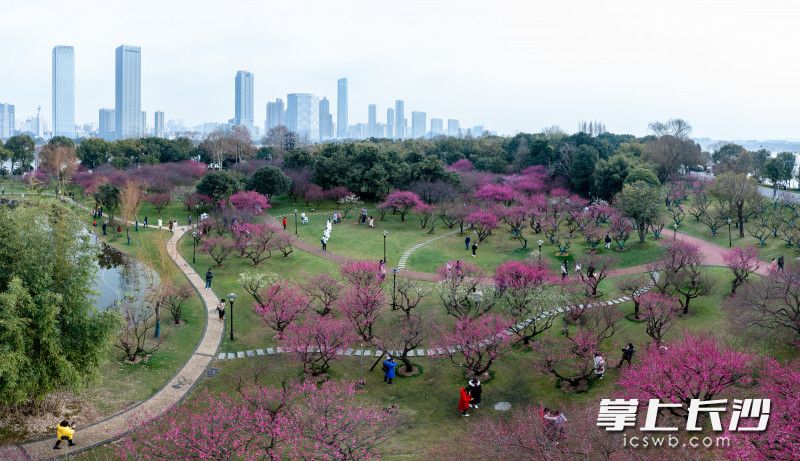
x,y
523,66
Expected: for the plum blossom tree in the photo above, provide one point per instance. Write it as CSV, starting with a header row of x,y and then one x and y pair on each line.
x,y
461,165
280,305
631,287
463,290
698,367
250,203
361,273
515,218
771,303
620,228
361,305
313,195
742,262
403,336
401,202
255,282
350,203
159,201
526,293
424,212
199,202
316,340
323,291
475,343
256,241
596,269
682,272
219,248
659,312
484,222
496,193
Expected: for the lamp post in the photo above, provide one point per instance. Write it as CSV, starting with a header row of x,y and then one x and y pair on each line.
x,y
540,242
394,288
730,240
197,215
232,298
674,231
194,246
295,222
385,233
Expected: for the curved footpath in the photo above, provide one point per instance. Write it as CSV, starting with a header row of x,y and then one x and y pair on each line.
x,y
172,393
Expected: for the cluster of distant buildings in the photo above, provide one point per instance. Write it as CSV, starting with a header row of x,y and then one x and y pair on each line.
x,y
303,113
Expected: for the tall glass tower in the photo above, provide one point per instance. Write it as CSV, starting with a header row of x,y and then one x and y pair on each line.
x,y
128,94
302,115
372,121
244,100
341,109
64,91
399,119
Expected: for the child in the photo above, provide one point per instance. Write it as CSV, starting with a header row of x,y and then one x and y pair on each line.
x,y
64,432
474,392
463,402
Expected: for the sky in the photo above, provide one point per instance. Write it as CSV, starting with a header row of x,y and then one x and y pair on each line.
x,y
730,68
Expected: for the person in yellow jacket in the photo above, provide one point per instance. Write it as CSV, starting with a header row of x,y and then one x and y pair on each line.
x,y
64,432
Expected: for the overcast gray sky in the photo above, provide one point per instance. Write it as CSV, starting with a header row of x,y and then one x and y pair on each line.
x,y
730,68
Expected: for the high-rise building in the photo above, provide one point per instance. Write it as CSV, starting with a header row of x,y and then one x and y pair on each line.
x,y
399,119
302,115
357,131
372,121
128,94
437,127
243,111
453,128
325,120
107,124
276,113
6,120
158,124
477,131
64,91
419,121
144,123
390,123
341,109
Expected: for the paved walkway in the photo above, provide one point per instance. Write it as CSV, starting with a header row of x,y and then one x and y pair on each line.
x,y
172,393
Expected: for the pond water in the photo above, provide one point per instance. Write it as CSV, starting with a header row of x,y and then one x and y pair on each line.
x,y
119,275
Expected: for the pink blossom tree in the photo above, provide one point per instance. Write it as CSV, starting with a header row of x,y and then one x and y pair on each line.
x,y
404,335
316,342
515,218
697,367
159,200
463,289
401,202
219,248
660,312
198,202
256,241
361,273
361,305
496,193
484,222
281,304
596,268
323,290
593,235
781,441
526,296
337,193
620,228
461,165
313,195
475,343
424,212
250,203
742,262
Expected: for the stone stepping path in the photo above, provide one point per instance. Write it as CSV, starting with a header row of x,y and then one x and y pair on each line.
x,y
407,254
424,352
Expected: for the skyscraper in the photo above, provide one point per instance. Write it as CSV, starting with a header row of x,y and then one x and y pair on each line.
x,y
453,128
158,124
325,120
6,120
390,123
276,114
399,119
243,114
437,127
302,115
144,123
107,123
64,91
128,94
341,109
372,121
419,121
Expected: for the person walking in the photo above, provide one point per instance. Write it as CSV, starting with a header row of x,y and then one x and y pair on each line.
x,y
170,225
105,226
564,272
145,221
463,402
578,269
627,354
94,223
780,262
221,310
475,392
209,278
599,365
466,243
64,431
608,242
772,263
284,223
590,271
389,370
372,222
474,248
324,242
382,269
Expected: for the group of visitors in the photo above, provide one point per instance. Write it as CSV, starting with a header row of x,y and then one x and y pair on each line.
x,y
590,270
458,267
777,263
326,234
553,421
366,220
474,247
469,396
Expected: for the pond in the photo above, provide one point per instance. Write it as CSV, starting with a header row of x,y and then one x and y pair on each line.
x,y
119,275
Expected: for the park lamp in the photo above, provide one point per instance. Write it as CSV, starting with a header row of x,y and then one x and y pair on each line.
x,y
385,233
232,297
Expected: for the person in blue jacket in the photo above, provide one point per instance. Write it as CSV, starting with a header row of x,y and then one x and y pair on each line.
x,y
389,367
